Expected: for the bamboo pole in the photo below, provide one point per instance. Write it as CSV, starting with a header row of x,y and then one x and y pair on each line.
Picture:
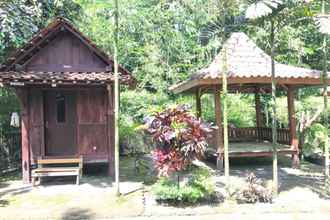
x,y
225,118
116,93
219,132
274,130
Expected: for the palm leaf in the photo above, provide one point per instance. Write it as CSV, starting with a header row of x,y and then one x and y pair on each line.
x,y
323,22
262,8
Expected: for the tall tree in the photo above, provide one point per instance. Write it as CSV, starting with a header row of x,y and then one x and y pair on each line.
x,y
278,14
324,28
116,93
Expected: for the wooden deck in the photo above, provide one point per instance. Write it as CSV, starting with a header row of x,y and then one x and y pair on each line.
x,y
253,149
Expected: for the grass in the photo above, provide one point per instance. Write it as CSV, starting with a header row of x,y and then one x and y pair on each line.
x,y
37,200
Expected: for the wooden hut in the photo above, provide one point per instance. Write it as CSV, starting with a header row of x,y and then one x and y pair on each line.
x,y
249,71
65,85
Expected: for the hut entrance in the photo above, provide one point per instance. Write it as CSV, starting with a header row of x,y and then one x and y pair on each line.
x,y
60,123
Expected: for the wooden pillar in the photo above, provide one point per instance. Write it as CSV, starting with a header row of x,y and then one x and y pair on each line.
x,y
259,116
198,104
292,126
219,133
110,133
23,95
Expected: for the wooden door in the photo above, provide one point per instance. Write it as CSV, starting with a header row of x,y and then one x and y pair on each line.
x,y
60,123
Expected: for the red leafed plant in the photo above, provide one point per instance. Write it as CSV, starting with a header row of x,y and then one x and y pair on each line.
x,y
180,138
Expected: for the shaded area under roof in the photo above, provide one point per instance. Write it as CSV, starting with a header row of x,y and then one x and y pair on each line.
x,y
248,67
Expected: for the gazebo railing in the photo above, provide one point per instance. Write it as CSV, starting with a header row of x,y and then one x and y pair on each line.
x,y
283,135
254,134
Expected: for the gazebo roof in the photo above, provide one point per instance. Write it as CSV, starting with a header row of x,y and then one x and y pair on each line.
x,y
247,66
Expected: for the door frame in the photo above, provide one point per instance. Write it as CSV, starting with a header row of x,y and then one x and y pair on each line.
x,y
44,136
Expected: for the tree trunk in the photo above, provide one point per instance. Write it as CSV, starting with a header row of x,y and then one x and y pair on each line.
x,y
116,93
274,130
325,97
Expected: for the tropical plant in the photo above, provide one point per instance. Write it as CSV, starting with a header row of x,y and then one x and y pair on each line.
x,y
180,138
255,191
315,141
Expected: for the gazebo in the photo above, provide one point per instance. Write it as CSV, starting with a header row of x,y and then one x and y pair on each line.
x,y
249,71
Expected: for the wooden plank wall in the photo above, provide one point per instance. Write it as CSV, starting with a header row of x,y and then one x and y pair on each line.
x,y
36,130
66,53
92,128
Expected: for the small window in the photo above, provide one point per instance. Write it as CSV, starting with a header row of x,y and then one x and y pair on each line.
x,y
60,108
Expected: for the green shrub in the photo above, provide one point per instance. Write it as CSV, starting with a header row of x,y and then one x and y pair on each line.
x,y
198,187
315,139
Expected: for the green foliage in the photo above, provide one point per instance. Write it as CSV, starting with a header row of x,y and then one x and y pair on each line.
x,y
140,103
241,110
20,19
315,139
127,128
157,39
199,187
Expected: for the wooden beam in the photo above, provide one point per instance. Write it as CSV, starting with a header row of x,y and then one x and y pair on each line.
x,y
218,122
198,104
23,95
292,126
110,129
188,85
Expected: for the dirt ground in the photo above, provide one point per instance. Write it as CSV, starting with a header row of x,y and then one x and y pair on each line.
x,y
301,194
60,198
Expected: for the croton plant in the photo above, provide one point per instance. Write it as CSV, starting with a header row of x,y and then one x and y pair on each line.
x,y
180,138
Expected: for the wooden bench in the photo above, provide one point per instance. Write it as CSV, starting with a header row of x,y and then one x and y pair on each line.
x,y
56,167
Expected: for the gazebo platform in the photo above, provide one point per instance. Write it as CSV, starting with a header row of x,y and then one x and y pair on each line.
x,y
253,149
248,70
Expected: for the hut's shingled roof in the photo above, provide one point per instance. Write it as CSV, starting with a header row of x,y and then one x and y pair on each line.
x,y
33,77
